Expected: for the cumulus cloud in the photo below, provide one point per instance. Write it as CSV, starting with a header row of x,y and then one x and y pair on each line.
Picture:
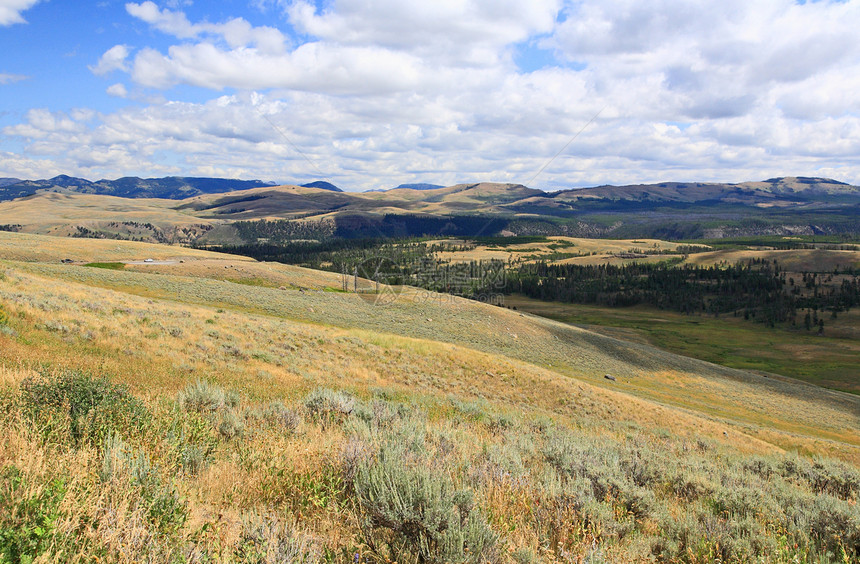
x,y
704,60
465,32
236,32
117,90
346,70
113,59
242,134
10,11
392,91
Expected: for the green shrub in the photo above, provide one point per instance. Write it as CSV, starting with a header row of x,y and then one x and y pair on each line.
x,y
164,508
328,406
119,459
231,425
267,539
204,397
28,516
835,526
277,414
412,511
833,478
166,511
87,409
523,555
190,439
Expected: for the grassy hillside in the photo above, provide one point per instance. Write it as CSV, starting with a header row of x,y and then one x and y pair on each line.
x,y
279,420
830,360
790,206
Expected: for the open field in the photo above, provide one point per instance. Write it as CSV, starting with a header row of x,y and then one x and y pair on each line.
x,y
796,260
830,360
23,246
497,417
562,249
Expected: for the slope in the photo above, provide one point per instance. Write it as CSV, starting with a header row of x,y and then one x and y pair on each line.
x,y
263,424
785,414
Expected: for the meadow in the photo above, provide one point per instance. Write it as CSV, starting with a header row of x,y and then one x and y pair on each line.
x,y
828,360
199,412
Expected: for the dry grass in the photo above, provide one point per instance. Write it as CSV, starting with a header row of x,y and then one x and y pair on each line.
x,y
726,396
592,251
798,260
60,213
483,392
38,248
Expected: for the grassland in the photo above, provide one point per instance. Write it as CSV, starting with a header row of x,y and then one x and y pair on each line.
x,y
286,422
829,361
564,249
794,260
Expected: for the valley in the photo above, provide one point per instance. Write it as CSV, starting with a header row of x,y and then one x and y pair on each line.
x,y
173,402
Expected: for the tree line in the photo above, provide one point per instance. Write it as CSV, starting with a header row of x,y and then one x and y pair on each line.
x,y
756,289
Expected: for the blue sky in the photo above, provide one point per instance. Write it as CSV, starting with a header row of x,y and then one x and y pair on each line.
x,y
372,94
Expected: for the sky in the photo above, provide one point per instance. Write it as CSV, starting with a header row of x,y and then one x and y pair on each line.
x,y
369,94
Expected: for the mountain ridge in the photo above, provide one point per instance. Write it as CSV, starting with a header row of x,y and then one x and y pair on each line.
x,y
168,187
668,210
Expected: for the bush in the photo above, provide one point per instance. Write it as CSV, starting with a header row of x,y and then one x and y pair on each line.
x,y
191,440
413,511
231,425
163,507
28,515
266,539
834,478
118,458
88,409
327,406
203,397
280,415
835,526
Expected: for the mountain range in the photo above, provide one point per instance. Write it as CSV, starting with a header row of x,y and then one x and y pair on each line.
x,y
170,187
215,210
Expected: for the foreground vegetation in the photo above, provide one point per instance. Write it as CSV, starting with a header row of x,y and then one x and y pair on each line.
x,y
168,416
90,472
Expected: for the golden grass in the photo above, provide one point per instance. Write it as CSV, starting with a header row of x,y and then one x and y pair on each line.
x,y
166,329
593,251
61,213
796,260
478,383
39,248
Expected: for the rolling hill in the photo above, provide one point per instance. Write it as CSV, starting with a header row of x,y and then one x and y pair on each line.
x,y
211,405
783,206
171,187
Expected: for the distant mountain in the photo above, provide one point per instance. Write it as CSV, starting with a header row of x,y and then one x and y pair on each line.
x,y
418,186
322,185
170,188
783,190
8,181
668,210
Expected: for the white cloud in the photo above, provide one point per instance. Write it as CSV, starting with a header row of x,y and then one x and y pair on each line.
x,y
396,90
707,60
168,21
117,90
10,11
310,67
112,60
352,147
463,31
6,78
236,32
